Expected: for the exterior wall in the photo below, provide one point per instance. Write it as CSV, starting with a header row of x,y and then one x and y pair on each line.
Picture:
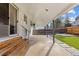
x,y
21,12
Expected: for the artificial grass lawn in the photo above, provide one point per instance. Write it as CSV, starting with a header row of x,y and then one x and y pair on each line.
x,y
70,40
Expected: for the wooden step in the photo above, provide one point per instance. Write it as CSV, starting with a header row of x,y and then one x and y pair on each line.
x,y
14,46
8,51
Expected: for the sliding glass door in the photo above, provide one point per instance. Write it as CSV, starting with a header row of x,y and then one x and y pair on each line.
x,y
8,19
4,19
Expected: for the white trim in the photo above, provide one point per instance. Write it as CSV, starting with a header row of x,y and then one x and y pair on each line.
x,y
9,21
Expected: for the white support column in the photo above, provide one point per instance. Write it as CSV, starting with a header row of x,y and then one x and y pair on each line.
x,y
31,30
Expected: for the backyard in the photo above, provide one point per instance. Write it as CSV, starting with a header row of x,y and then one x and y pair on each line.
x,y
70,40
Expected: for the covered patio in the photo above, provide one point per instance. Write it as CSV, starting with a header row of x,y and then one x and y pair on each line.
x,y
28,32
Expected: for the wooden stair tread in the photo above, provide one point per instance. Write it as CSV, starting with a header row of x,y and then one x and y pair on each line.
x,y
15,46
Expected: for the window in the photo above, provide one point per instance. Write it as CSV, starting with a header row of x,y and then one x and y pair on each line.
x,y
25,18
13,19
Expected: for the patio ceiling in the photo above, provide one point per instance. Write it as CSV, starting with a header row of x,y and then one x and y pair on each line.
x,y
42,13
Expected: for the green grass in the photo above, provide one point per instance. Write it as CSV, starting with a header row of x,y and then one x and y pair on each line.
x,y
70,40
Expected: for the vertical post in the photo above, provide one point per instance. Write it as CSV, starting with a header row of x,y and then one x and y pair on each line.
x,y
53,31
47,30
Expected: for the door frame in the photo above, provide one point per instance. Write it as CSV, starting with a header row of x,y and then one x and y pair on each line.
x,y
12,4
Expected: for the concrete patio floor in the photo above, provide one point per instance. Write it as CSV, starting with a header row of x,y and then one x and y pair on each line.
x,y
40,45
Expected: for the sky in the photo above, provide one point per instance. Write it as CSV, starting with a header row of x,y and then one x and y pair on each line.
x,y
72,14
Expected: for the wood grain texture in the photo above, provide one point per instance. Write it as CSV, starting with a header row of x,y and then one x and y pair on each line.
x,y
13,47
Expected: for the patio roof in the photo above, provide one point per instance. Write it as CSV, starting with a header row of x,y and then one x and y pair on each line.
x,y
42,13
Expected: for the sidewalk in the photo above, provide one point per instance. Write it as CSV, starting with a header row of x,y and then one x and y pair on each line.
x,y
40,46
72,50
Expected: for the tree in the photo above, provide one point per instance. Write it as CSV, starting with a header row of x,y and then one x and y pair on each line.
x,y
57,22
67,23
